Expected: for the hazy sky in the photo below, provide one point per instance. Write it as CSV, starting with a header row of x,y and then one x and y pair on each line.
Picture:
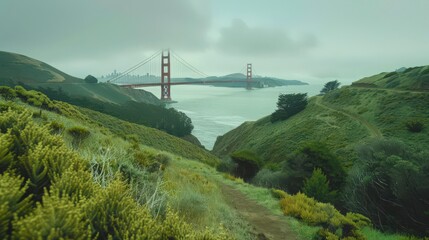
x,y
308,40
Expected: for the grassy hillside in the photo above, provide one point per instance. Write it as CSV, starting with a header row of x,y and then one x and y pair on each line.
x,y
16,69
364,144
414,78
342,119
72,173
95,183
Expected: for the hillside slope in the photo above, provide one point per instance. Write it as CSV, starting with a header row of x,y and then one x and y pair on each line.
x,y
16,69
342,119
414,79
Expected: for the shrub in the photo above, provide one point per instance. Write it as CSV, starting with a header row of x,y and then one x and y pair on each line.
x,y
317,187
79,134
151,161
57,218
56,127
414,126
13,202
289,105
313,155
114,214
389,183
270,179
333,223
279,194
6,155
247,164
226,165
7,93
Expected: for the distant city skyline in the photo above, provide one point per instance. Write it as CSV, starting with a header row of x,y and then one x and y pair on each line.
x,y
312,41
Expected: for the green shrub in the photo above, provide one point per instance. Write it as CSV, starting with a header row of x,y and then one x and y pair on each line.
x,y
270,179
248,164
57,218
334,224
79,134
317,187
151,161
13,202
7,93
414,126
114,214
56,127
313,155
279,194
6,155
389,183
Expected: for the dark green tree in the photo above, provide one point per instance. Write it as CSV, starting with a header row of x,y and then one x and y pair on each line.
x,y
289,105
317,187
329,86
313,155
91,79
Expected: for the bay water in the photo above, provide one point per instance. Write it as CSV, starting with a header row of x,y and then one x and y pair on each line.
x,y
217,110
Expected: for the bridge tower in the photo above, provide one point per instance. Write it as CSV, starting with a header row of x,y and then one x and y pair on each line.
x,y
165,76
249,76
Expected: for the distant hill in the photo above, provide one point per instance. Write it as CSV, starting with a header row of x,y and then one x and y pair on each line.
x,y
259,82
414,78
16,69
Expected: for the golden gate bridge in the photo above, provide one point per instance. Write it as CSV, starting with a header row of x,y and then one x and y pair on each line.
x,y
165,78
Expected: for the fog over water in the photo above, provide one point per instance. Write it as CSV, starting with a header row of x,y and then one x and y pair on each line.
x,y
217,110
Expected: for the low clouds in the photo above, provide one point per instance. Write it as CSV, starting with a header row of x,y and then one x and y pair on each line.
x,y
241,39
101,28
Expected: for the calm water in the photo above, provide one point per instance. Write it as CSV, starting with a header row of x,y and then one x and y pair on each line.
x,y
217,110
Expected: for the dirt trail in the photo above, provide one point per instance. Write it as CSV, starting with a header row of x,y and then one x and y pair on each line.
x,y
373,130
267,225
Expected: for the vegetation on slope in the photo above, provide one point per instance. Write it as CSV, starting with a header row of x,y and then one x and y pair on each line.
x,y
414,78
341,120
16,69
64,175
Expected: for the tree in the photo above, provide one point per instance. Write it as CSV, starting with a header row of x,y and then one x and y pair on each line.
x,y
289,105
91,79
329,86
313,155
317,186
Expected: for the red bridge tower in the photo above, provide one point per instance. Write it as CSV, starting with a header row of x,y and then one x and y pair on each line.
x,y
165,76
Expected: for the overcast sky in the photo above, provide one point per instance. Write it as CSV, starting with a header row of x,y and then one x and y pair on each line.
x,y
314,41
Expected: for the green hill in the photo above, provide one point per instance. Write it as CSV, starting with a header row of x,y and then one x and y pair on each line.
x,y
16,69
414,78
342,119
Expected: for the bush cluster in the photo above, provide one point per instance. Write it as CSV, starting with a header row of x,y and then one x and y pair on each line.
x,y
389,184
414,126
47,191
334,224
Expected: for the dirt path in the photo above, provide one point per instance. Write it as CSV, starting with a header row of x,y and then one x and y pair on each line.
x,y
373,130
267,225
